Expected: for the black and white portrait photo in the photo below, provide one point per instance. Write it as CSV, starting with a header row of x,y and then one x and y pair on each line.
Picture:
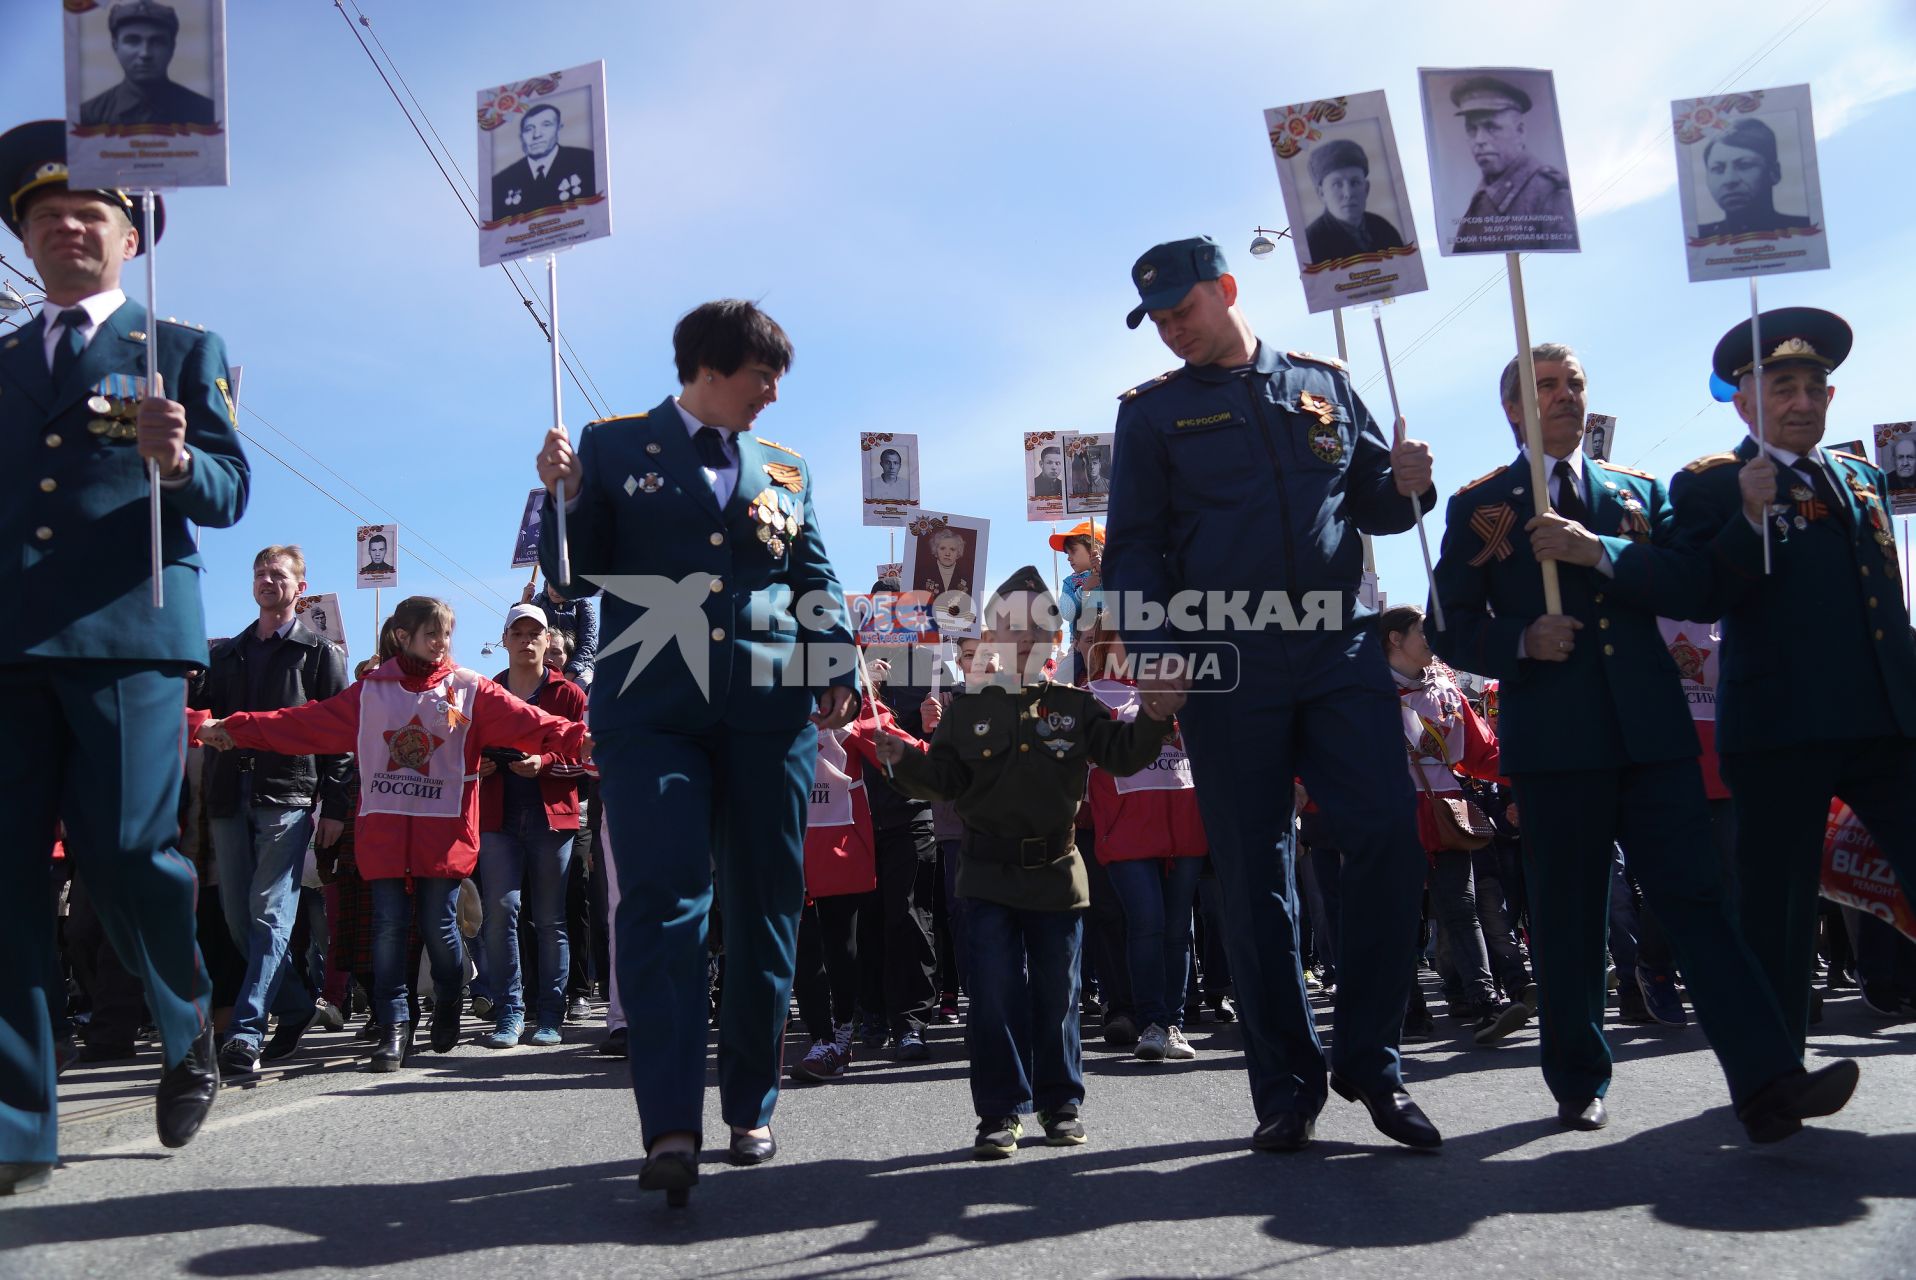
x,y
1747,183
1343,184
378,552
1896,455
525,547
1088,486
322,613
1044,473
1599,436
147,67
888,465
1498,173
542,147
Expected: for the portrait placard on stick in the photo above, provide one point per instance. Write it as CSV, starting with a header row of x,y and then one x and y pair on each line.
x,y
1599,436
543,164
892,571
377,553
525,547
323,614
1747,182
1498,172
945,559
888,465
1896,455
1044,475
1087,457
1344,185
146,93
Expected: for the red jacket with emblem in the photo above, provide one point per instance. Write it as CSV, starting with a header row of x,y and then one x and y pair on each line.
x,y
1132,819
388,846
839,856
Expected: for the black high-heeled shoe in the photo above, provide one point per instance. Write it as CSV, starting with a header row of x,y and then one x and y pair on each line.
x,y
673,1172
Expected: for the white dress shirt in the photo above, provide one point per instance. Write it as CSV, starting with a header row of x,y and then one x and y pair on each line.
x,y
98,308
722,481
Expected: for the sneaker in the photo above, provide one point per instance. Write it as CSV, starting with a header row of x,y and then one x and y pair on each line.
x,y
948,1010
1150,1044
545,1037
872,1033
1120,1031
1061,1127
1176,1047
238,1060
820,1063
1885,1000
842,1042
1507,1020
911,1047
482,1008
997,1138
505,1033
1660,997
1222,1009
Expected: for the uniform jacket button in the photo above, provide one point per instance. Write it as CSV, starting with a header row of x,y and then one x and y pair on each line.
x,y
1598,597
717,585
1879,633
1864,568
43,533
718,539
1603,624
1024,746
987,753
1872,602
1609,651
53,440
718,635
48,485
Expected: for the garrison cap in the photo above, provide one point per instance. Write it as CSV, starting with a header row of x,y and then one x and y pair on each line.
x,y
1791,335
1167,271
160,15
1340,154
1488,93
33,158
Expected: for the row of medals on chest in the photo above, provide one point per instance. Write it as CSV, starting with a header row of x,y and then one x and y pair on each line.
x,y
115,414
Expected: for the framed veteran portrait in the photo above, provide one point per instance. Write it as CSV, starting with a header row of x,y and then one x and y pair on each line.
x,y
888,468
1087,488
543,164
525,546
1044,473
323,614
945,559
146,93
1338,167
1599,436
1896,455
1498,173
377,555
1747,183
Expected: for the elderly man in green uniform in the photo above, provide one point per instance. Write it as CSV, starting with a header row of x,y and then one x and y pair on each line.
x,y
92,683
1741,170
1817,696
145,36
1595,731
1522,203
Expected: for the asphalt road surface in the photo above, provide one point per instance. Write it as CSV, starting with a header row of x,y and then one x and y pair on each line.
x,y
524,1163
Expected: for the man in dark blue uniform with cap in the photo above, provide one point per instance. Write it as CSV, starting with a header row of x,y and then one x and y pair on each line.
x,y
1241,483
1596,733
92,686
1817,696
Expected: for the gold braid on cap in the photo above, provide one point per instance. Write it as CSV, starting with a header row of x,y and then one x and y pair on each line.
x,y
1791,349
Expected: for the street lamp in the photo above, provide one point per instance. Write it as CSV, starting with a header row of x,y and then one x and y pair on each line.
x,y
13,302
1263,244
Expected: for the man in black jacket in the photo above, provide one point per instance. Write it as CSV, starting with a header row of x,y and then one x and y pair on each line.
x,y
260,805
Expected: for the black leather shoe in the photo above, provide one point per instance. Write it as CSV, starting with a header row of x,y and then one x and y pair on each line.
x,y
186,1092
390,1053
1779,1108
673,1172
614,1044
1286,1131
285,1038
746,1149
1394,1114
1585,1117
327,1017
576,1009
19,1178
445,1025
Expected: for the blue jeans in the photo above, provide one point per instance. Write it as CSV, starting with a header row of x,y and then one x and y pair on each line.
x,y
1023,1025
1156,899
526,852
437,901
260,852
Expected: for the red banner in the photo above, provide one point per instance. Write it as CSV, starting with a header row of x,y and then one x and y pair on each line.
x,y
1856,874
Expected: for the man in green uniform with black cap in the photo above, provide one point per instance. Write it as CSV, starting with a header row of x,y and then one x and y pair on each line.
x,y
92,687
1817,693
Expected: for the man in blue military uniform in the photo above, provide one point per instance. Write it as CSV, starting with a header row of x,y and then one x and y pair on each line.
x,y
92,680
1596,733
1817,695
1253,471
702,535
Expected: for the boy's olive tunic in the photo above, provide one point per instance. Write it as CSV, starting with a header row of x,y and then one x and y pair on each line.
x,y
1016,764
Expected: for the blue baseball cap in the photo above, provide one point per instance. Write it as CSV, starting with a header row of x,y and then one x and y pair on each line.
x,y
1167,271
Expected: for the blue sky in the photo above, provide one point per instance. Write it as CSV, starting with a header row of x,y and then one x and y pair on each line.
x,y
941,205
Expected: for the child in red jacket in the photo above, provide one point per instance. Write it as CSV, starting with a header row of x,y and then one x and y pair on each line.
x,y
417,724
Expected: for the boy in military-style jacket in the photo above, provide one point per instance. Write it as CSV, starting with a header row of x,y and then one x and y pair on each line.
x,y
1014,755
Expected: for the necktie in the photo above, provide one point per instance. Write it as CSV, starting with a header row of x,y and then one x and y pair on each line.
x,y
710,445
1825,492
66,352
1569,503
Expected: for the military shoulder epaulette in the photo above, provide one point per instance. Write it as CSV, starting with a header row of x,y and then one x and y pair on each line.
x,y
1853,457
1328,361
1708,461
1555,174
1488,476
185,324
1629,471
782,448
1150,385
618,417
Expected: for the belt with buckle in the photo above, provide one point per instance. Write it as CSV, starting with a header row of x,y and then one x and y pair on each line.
x,y
1029,853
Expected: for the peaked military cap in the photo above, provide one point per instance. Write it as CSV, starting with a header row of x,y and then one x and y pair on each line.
x,y
1791,335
